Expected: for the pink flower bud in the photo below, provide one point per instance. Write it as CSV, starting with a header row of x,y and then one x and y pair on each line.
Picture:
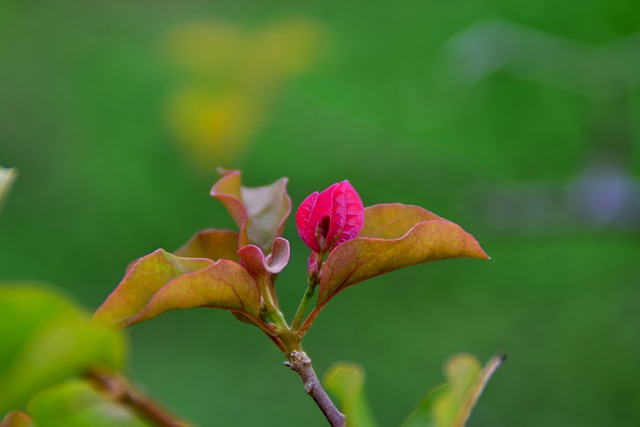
x,y
329,218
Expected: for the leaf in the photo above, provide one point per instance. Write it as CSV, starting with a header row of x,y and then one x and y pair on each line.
x,y
260,212
451,404
260,266
404,238
145,277
7,176
77,404
393,220
46,339
16,419
161,282
346,382
224,285
211,244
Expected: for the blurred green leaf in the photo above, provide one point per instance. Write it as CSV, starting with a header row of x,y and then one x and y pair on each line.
x,y
46,339
16,419
394,236
211,244
77,404
260,212
7,176
451,404
161,282
346,382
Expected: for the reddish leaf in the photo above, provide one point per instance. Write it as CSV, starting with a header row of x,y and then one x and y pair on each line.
x,y
211,244
224,285
16,419
265,269
160,282
260,212
143,279
366,257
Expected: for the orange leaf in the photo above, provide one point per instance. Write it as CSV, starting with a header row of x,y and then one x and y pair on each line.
x,y
404,238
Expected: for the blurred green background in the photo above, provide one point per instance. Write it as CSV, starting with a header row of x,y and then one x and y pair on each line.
x,y
116,114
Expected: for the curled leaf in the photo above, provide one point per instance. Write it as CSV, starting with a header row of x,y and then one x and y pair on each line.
x,y
260,212
406,235
258,265
211,244
160,282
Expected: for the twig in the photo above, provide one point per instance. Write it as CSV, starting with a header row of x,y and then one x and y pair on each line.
x,y
122,391
301,364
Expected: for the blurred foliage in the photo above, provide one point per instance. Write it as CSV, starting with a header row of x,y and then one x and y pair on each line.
x,y
346,382
232,75
47,339
448,405
6,179
103,182
76,403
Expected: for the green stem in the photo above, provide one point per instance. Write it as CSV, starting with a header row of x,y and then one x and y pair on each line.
x,y
270,303
302,308
312,282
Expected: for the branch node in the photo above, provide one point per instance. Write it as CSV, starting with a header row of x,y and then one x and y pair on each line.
x,y
301,364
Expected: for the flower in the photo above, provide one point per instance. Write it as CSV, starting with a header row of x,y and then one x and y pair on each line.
x,y
330,218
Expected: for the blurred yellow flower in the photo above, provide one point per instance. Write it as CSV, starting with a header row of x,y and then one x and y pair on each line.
x,y
232,76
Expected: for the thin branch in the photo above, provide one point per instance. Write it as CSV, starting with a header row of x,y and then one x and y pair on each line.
x,y
310,319
297,320
301,364
122,391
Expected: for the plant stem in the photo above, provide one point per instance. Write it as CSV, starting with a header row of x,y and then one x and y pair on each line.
x,y
120,390
302,308
271,303
312,282
301,364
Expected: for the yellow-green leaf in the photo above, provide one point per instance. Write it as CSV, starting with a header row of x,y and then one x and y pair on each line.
x,y
211,244
393,220
450,405
404,236
260,212
161,282
145,277
224,285
346,382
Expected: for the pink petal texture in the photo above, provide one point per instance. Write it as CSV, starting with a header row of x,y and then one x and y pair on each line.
x,y
347,214
306,229
330,218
